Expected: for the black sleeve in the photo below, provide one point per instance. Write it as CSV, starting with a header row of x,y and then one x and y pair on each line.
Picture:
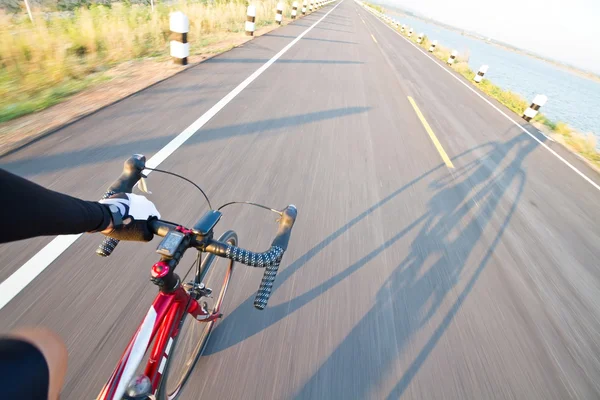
x,y
29,210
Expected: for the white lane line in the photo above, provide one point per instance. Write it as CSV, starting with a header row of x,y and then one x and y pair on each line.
x,y
568,164
39,262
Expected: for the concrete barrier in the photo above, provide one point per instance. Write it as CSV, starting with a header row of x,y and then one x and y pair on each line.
x,y
279,13
479,76
179,24
433,45
533,109
250,18
452,57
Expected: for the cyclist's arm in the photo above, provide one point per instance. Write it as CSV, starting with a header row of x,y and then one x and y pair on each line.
x,y
29,210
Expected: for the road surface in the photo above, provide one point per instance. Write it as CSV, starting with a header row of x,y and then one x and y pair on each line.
x,y
405,278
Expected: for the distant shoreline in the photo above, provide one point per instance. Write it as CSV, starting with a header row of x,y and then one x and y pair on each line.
x,y
569,68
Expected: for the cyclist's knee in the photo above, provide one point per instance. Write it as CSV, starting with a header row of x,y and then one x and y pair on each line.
x,y
53,350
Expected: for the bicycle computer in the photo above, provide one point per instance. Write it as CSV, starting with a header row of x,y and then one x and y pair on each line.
x,y
170,243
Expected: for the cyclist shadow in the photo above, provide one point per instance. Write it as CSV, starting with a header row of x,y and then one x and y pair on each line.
x,y
242,322
457,216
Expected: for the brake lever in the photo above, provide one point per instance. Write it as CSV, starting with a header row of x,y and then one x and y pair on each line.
x,y
143,185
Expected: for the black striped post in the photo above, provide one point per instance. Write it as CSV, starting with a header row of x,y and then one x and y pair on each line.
x,y
304,3
403,28
533,109
250,18
294,9
420,38
479,76
410,31
279,13
179,46
452,57
432,47
310,6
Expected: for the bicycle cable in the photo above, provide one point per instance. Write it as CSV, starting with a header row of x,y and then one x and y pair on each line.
x,y
185,179
280,213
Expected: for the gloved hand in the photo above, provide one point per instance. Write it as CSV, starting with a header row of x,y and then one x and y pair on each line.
x,y
130,215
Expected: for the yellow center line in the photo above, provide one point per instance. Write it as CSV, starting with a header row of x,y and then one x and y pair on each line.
x,y
375,40
434,139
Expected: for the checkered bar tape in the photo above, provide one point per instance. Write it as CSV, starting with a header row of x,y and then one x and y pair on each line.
x,y
269,260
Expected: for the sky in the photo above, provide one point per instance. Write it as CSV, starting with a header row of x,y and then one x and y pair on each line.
x,y
564,30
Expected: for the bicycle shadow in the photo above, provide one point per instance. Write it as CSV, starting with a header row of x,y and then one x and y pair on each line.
x,y
241,323
457,216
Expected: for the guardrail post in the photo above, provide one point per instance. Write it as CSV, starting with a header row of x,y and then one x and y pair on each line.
x,y
279,13
531,111
479,76
179,24
432,47
452,57
250,18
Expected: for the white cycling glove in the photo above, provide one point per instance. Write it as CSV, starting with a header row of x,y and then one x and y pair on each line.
x,y
132,205
130,214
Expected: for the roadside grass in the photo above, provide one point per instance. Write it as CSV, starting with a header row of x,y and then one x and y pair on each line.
x,y
580,143
60,54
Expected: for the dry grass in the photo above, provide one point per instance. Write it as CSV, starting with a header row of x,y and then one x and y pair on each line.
x,y
580,143
42,63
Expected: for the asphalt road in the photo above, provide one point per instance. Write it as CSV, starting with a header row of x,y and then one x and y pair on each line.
x,y
404,278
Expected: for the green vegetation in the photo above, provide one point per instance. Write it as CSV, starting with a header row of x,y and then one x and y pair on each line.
x,y
580,143
376,7
59,54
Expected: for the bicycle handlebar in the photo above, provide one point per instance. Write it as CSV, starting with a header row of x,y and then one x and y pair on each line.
x,y
270,259
132,173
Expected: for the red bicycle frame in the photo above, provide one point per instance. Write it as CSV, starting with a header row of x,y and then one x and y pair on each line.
x,y
161,322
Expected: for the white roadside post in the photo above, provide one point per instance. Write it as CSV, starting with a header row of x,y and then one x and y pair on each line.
x,y
403,28
310,6
179,24
432,47
452,57
294,9
479,76
28,10
304,7
420,38
531,111
410,31
250,18
279,13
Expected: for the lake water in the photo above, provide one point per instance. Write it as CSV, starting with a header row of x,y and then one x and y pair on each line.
x,y
571,98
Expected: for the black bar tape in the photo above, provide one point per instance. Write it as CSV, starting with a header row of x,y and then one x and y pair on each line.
x,y
108,244
269,260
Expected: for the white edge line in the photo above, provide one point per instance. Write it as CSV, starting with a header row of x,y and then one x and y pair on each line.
x,y
591,182
22,277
